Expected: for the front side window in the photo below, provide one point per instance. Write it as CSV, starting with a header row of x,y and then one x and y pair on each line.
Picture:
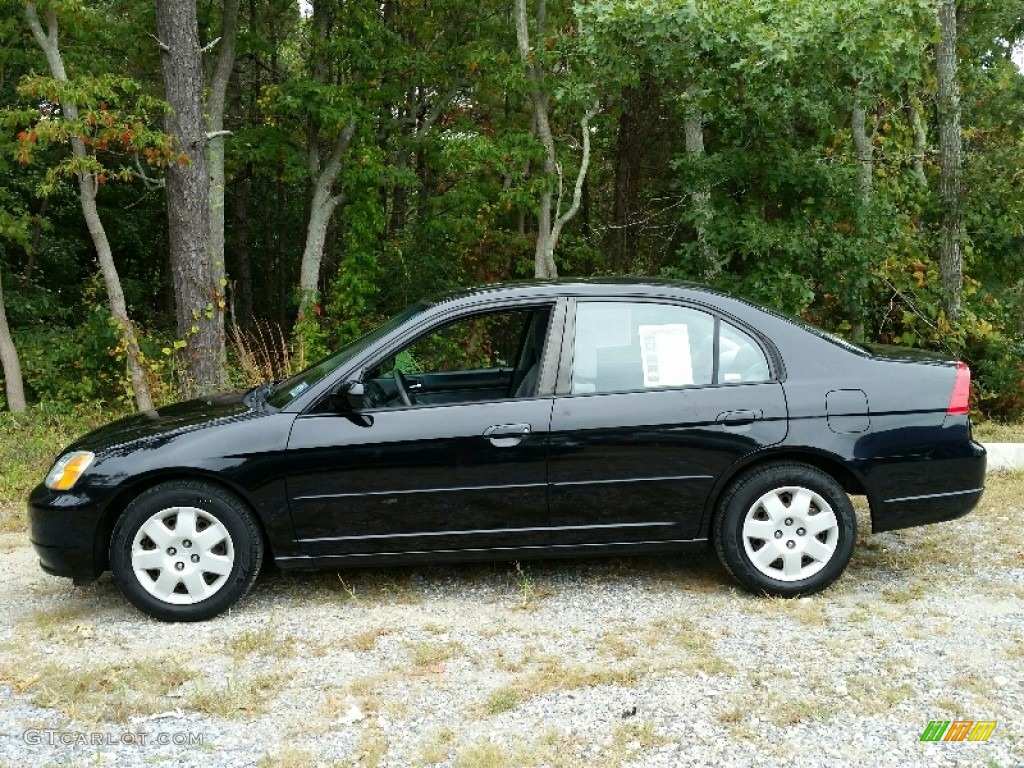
x,y
482,357
625,346
286,391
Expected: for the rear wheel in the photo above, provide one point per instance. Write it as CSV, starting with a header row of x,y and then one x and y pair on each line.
x,y
185,550
785,529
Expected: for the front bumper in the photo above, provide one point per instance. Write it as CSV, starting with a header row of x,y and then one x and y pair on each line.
x,y
66,532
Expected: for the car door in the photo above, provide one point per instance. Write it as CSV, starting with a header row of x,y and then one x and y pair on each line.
x,y
655,400
461,468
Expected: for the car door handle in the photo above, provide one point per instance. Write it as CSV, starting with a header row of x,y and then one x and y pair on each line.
x,y
506,435
737,418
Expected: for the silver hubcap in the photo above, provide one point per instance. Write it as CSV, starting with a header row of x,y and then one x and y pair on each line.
x,y
182,555
790,533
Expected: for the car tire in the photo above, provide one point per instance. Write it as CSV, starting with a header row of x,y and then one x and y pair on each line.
x,y
185,550
785,529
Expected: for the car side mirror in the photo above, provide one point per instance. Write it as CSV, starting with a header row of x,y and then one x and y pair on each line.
x,y
354,394
348,397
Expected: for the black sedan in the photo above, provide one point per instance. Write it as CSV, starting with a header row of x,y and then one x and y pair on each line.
x,y
521,421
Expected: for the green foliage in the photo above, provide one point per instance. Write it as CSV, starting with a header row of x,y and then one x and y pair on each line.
x,y
442,178
112,120
72,364
84,363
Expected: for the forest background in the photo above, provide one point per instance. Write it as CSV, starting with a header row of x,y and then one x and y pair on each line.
x,y
202,195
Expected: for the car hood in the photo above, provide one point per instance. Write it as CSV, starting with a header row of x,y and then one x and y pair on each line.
x,y
180,417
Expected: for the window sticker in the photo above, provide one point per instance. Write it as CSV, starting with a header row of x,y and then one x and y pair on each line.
x,y
665,351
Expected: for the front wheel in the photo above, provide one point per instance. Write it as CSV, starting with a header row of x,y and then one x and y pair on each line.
x,y
785,529
185,550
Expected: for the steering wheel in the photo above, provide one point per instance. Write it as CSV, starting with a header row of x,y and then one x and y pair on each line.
x,y
402,386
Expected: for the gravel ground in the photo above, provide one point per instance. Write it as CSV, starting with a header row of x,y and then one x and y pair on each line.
x,y
636,662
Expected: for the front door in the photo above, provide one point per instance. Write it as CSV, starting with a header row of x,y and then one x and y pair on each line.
x,y
449,454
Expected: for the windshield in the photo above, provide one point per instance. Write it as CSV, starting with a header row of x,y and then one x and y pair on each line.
x,y
289,389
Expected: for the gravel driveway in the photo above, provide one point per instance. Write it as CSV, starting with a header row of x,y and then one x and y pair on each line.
x,y
639,662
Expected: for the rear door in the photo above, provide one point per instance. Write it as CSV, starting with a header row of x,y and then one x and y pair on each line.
x,y
655,400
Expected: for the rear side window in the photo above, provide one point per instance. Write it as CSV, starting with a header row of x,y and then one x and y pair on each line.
x,y
740,358
624,346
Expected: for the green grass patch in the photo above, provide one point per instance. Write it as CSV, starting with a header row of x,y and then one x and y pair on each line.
x,y
997,432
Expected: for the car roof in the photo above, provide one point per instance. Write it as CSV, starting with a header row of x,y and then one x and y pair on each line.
x,y
595,286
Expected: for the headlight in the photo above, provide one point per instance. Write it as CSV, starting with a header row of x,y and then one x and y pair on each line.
x,y
67,470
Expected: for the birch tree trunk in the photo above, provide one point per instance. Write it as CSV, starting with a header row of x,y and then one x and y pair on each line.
x,y
322,208
199,314
549,223
950,160
13,385
48,41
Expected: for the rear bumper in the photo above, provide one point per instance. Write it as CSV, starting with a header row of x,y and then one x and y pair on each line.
x,y
64,529
930,490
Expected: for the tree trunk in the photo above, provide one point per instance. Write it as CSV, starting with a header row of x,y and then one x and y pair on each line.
x,y
920,140
950,160
864,154
243,292
215,148
48,41
629,153
199,297
863,151
13,385
701,197
549,223
322,207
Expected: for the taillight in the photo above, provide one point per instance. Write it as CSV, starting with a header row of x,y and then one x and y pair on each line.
x,y
960,400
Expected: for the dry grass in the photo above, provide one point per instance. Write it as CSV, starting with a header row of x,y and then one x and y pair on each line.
x,y
265,641
809,611
554,675
396,585
555,749
876,694
366,640
238,696
438,747
484,754
104,692
289,757
502,699
262,353
430,656
786,712
65,620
